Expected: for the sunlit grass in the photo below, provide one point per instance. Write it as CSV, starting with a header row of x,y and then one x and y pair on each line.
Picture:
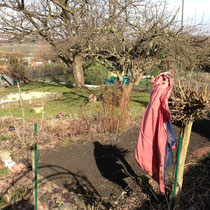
x,y
4,171
73,102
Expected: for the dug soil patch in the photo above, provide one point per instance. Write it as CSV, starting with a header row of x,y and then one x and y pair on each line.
x,y
106,170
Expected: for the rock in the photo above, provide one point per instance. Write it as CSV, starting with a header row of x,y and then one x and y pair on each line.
x,y
17,168
11,128
6,158
9,163
4,155
201,152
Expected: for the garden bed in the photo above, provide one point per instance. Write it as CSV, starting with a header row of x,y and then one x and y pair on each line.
x,y
100,170
12,99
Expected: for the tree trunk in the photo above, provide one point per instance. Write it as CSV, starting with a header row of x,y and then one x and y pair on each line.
x,y
124,104
138,79
78,72
126,92
183,153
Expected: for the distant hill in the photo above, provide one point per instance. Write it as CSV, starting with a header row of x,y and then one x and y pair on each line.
x,y
27,48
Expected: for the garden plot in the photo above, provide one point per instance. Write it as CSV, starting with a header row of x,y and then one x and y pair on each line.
x,y
13,98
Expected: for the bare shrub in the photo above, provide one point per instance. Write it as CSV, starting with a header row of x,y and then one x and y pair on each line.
x,y
15,64
190,99
16,144
111,117
59,127
50,133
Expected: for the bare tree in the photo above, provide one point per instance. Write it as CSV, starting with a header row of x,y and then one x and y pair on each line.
x,y
69,26
135,38
121,34
66,25
202,57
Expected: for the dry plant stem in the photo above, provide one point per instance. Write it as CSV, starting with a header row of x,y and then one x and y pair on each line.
x,y
42,112
22,110
183,153
17,131
21,101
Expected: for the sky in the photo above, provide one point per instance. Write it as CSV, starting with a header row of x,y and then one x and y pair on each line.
x,y
195,11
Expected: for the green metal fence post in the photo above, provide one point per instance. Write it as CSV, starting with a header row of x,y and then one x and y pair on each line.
x,y
177,168
180,67
196,75
146,83
35,168
45,70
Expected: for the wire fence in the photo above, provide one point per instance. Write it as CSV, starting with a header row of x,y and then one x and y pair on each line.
x,y
44,72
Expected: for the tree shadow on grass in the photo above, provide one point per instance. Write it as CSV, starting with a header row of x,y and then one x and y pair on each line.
x,y
138,90
143,103
41,85
72,96
59,82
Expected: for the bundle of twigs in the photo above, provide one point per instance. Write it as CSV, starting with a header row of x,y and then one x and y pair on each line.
x,y
189,101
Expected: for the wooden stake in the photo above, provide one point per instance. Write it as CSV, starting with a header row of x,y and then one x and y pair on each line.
x,y
183,153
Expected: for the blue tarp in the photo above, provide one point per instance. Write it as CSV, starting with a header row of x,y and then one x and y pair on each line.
x,y
112,80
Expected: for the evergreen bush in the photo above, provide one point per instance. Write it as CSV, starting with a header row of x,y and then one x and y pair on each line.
x,y
95,73
155,72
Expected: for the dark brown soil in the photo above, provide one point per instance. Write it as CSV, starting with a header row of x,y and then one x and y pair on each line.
x,y
101,169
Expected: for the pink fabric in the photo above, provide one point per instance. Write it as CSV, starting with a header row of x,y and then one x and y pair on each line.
x,y
173,147
150,149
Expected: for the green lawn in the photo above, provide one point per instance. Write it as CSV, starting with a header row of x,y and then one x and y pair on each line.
x,y
73,102
4,171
